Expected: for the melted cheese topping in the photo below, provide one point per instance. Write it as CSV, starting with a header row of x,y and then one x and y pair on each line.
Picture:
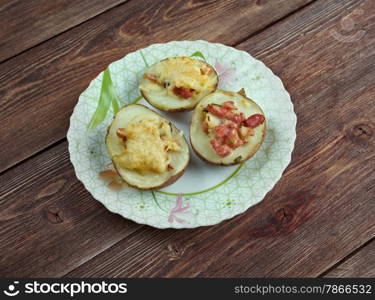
x,y
146,146
184,72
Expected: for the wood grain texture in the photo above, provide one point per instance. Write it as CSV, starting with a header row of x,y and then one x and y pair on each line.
x,y
44,82
25,24
360,264
49,223
322,209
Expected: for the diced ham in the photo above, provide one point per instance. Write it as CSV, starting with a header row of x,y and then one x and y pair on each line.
x,y
236,118
226,138
222,130
228,105
183,92
234,130
232,139
225,111
254,120
216,110
221,149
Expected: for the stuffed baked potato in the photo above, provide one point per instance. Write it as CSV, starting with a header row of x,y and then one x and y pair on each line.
x,y
178,83
227,128
147,150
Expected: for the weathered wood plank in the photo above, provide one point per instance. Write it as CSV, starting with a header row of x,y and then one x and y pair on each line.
x,y
25,24
361,264
313,218
50,224
322,209
291,233
40,87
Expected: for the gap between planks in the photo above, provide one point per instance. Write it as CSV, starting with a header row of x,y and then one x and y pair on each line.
x,y
57,142
62,140
346,258
340,261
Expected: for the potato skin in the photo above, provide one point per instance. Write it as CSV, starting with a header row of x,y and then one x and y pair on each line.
x,y
171,109
163,108
170,180
190,108
254,150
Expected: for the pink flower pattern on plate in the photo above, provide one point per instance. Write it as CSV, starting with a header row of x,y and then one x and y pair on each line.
x,y
178,209
225,72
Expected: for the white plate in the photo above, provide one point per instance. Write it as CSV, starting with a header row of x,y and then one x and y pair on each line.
x,y
205,194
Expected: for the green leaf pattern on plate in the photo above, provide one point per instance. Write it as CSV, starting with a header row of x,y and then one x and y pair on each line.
x,y
108,95
198,54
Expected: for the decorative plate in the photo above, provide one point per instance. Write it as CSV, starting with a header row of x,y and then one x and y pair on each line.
x,y
205,194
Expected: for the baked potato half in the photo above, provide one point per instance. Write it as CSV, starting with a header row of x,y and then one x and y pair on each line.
x,y
178,83
227,128
147,150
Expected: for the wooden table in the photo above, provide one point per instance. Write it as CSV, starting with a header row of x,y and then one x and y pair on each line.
x,y
319,220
